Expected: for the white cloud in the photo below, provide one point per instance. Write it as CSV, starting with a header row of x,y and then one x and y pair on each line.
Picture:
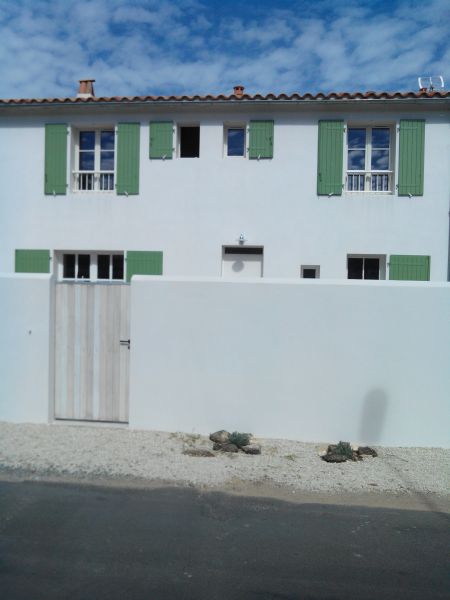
x,y
160,46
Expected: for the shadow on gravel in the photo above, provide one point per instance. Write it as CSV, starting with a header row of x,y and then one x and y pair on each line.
x,y
80,542
372,421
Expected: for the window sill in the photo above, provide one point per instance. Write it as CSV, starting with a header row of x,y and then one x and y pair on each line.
x,y
365,192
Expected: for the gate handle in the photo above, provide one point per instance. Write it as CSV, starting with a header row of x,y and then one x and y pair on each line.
x,y
125,343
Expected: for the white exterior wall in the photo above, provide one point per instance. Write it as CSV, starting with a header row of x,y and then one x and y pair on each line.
x,y
309,360
26,348
190,208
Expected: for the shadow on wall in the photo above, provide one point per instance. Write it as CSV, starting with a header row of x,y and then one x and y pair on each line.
x,y
373,416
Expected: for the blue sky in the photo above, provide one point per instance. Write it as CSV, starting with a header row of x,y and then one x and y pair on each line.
x,y
207,46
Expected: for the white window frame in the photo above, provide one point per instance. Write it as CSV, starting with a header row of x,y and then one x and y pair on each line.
x,y
382,258
367,173
316,269
93,181
93,267
238,125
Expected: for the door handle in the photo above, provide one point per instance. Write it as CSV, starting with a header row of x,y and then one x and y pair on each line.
x,y
125,343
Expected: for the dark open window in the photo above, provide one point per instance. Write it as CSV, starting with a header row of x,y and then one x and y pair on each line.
x,y
117,266
84,266
363,268
69,266
309,273
190,142
103,266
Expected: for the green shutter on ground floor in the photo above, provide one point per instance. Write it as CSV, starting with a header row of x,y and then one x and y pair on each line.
x,y
144,263
128,140
330,157
260,139
32,261
161,139
411,157
55,169
409,268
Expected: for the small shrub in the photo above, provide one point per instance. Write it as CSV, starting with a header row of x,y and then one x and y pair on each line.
x,y
240,439
344,449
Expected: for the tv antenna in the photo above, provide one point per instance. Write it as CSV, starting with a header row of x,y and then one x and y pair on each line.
x,y
429,84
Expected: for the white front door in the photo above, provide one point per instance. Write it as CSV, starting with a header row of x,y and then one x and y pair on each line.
x,y
240,261
91,351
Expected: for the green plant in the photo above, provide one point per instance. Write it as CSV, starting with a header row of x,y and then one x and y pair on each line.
x,y
240,439
344,449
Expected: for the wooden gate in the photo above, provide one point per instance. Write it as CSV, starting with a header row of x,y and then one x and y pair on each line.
x,y
92,351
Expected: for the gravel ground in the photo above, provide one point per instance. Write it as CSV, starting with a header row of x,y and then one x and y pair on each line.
x,y
109,452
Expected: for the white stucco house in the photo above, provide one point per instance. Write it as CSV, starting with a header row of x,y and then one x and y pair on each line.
x,y
331,186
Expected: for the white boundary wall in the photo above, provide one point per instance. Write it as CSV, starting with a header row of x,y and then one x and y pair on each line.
x,y
310,360
26,355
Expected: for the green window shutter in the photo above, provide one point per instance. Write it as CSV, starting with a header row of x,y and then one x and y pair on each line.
x,y
161,139
329,159
128,140
32,261
261,139
55,177
409,268
144,263
411,157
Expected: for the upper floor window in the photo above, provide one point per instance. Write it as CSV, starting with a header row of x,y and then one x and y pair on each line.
x,y
94,160
189,142
235,140
369,159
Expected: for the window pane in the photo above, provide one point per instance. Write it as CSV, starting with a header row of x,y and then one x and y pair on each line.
x,y
189,142
107,161
355,268
84,264
309,273
86,161
371,268
380,160
107,140
380,137
69,266
103,266
87,140
117,266
356,160
235,142
356,138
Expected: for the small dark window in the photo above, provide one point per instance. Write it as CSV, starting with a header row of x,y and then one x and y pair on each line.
x,y
242,250
117,266
309,273
190,142
69,266
235,141
103,266
371,268
84,266
363,268
355,268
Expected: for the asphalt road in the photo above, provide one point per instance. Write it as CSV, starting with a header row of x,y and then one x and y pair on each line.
x,y
61,541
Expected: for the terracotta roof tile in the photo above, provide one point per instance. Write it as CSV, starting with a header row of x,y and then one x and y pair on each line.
x,y
233,98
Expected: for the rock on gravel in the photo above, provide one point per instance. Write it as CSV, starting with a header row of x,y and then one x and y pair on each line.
x,y
119,452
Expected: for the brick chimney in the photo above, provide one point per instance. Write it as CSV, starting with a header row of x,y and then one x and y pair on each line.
x,y
238,90
86,89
